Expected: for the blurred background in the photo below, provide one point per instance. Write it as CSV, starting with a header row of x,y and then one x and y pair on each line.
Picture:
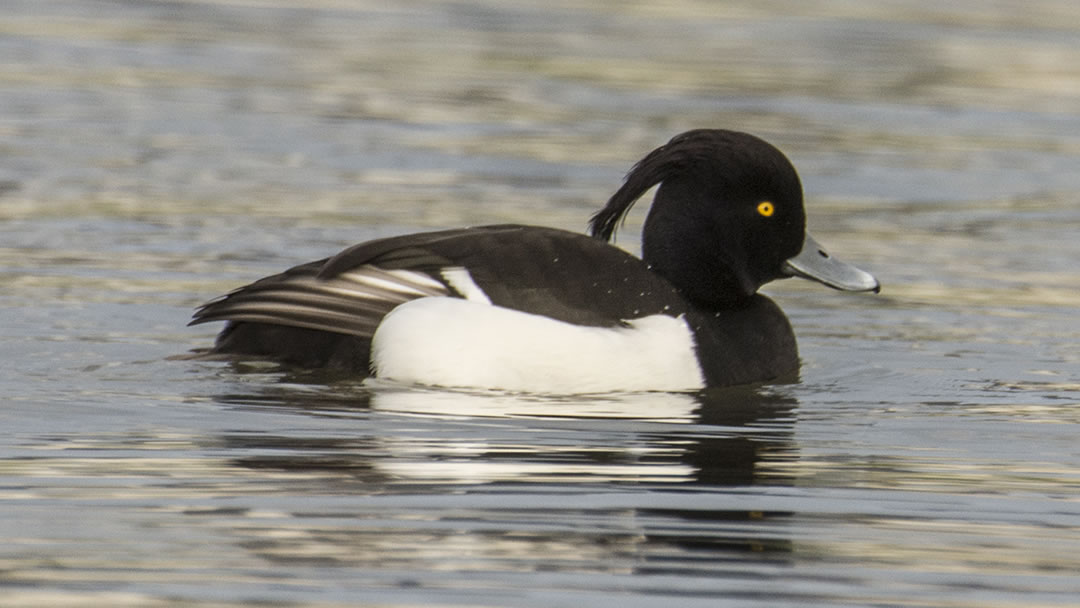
x,y
155,154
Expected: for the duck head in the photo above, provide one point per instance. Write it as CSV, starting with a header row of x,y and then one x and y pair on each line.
x,y
727,218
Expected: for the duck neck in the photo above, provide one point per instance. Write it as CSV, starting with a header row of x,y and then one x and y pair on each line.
x,y
693,251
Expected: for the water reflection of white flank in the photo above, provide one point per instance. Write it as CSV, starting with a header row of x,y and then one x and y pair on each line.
x,y
501,452
653,407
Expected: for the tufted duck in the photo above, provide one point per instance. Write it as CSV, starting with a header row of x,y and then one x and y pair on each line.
x,y
529,308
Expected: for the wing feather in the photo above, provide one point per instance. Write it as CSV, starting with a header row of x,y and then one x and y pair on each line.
x,y
351,303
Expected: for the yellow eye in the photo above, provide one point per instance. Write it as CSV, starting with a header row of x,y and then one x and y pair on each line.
x,y
766,209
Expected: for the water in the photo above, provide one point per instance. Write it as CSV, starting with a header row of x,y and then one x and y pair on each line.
x,y
158,154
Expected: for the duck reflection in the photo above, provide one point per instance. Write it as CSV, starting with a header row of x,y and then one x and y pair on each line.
x,y
545,481
720,437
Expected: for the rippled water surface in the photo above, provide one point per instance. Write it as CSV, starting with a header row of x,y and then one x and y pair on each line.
x,y
156,154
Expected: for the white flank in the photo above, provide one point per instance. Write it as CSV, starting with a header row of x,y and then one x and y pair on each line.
x,y
462,282
457,343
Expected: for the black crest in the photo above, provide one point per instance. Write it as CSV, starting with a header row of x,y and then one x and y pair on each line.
x,y
692,151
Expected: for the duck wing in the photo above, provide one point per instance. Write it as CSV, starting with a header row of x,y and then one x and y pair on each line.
x,y
321,305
